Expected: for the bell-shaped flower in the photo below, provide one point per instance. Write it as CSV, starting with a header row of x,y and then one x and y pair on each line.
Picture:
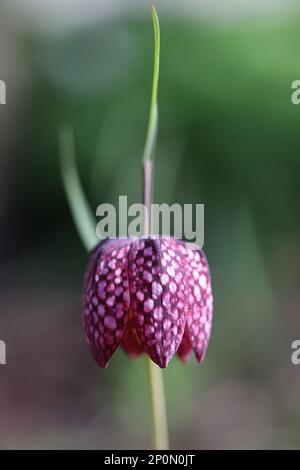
x,y
149,295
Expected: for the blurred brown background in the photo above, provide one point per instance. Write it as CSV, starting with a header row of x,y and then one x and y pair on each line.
x,y
229,138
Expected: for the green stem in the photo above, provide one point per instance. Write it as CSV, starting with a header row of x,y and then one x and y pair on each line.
x,y
158,406
153,116
160,423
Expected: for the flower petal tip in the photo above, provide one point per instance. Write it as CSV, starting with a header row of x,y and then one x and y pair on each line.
x,y
158,293
106,299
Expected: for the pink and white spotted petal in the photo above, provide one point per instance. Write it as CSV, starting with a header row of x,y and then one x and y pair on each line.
x,y
185,349
158,292
200,301
106,298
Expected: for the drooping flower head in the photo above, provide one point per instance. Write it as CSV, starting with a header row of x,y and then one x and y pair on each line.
x,y
149,295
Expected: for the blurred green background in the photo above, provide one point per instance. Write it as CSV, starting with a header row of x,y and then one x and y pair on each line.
x,y
229,137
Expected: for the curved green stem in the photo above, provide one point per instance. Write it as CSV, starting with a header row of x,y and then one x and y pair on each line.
x,y
153,116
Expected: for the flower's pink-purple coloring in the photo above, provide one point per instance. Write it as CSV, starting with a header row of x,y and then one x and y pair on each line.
x,y
150,295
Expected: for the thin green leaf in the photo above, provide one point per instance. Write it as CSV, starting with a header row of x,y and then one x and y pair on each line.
x,y
80,209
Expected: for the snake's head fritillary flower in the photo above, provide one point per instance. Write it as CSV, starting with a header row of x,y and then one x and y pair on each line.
x,y
148,295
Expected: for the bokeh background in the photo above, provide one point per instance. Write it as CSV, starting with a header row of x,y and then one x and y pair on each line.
x,y
229,137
